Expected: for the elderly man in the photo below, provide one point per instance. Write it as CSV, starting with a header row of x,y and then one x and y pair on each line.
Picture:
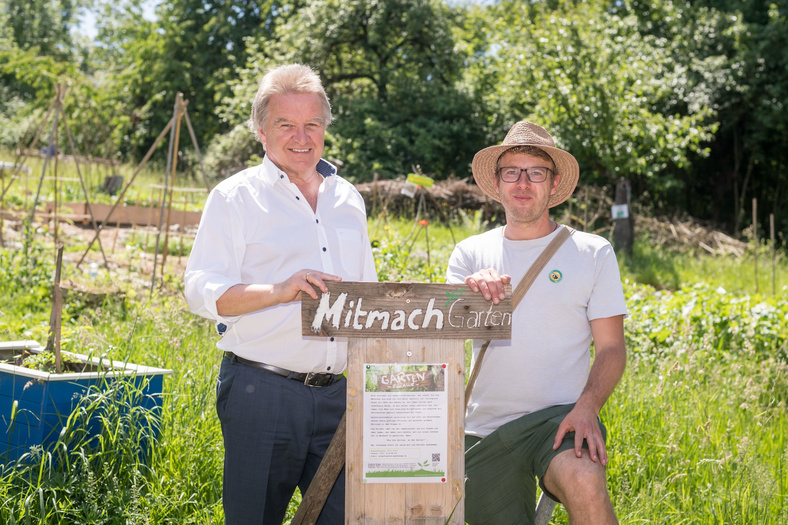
x,y
267,234
534,410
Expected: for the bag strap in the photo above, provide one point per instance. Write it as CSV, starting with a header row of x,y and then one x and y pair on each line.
x,y
518,295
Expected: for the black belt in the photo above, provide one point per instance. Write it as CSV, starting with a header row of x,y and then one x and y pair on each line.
x,y
307,378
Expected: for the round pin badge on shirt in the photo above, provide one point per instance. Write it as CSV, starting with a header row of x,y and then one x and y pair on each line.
x,y
556,276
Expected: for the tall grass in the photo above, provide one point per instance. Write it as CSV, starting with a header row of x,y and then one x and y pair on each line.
x,y
697,426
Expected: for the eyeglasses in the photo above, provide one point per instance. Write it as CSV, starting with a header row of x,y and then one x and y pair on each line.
x,y
512,173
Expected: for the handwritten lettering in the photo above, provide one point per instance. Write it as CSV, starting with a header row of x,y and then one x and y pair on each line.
x,y
352,315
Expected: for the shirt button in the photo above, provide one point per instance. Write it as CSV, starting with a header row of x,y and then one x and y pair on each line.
x,y
331,339
298,198
328,368
317,221
324,248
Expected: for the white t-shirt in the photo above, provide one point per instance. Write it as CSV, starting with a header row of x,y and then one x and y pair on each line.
x,y
257,227
546,362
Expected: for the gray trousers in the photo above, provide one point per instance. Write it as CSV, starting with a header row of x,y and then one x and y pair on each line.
x,y
275,432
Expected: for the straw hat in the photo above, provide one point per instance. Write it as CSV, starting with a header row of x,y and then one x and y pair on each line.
x,y
527,134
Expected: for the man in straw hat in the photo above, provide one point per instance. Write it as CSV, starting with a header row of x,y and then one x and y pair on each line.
x,y
534,410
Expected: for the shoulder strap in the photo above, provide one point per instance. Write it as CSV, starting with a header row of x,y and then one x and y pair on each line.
x,y
518,295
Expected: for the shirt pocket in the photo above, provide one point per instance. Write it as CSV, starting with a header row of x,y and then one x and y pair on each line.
x,y
352,253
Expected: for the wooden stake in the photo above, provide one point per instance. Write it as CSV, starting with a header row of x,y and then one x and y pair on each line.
x,y
585,211
197,149
53,342
123,191
56,216
774,255
755,239
84,189
52,135
172,161
332,464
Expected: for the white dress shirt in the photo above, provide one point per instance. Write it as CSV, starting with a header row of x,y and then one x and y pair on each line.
x,y
257,228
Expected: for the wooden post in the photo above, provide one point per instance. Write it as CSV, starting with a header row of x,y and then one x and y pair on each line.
x,y
172,161
585,211
774,255
755,239
55,185
122,194
395,474
53,341
623,236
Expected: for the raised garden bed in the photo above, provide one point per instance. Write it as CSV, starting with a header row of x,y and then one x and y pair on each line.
x,y
35,405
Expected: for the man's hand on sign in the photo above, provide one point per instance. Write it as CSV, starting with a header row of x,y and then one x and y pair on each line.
x,y
490,284
303,281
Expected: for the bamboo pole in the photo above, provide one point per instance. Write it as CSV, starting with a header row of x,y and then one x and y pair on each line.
x,y
84,189
56,153
125,189
197,149
52,135
172,162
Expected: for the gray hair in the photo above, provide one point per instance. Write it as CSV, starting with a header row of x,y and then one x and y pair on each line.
x,y
292,78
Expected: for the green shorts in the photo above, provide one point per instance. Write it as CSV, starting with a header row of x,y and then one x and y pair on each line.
x,y
501,469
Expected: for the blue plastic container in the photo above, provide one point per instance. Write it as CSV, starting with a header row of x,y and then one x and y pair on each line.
x,y
34,406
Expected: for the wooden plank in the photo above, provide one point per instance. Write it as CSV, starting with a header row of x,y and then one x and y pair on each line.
x,y
405,503
405,310
325,477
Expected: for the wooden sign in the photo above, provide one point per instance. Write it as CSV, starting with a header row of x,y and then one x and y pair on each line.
x,y
415,503
400,334
405,310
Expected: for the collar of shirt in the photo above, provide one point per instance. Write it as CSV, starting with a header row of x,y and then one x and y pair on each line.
x,y
271,172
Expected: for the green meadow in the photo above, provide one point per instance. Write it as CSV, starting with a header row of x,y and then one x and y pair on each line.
x,y
698,426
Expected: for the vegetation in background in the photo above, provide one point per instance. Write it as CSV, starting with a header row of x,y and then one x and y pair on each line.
x,y
684,99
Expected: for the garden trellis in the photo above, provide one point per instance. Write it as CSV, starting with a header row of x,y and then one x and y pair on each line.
x,y
51,151
99,215
174,127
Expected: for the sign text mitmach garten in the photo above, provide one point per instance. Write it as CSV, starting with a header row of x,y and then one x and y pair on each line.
x,y
405,310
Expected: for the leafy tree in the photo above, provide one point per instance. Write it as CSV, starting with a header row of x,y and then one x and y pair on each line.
x,y
608,92
37,52
392,73
749,154
193,47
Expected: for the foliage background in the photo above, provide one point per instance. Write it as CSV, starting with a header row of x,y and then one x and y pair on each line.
x,y
686,100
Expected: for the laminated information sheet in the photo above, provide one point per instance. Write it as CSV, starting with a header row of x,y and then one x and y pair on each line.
x,y
405,423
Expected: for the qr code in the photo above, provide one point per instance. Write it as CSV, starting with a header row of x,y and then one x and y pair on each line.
x,y
436,458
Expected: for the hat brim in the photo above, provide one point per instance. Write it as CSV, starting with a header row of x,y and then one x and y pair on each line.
x,y
485,163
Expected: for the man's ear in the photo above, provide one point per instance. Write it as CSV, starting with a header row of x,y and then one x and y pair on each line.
x,y
556,180
261,136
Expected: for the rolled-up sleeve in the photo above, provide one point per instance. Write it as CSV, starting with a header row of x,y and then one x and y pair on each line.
x,y
214,263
